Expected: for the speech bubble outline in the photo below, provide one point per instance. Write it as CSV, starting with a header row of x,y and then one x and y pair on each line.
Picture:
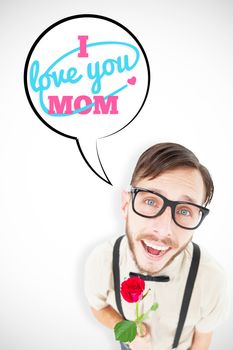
x,y
130,81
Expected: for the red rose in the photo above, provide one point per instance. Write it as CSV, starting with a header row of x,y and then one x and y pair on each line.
x,y
132,289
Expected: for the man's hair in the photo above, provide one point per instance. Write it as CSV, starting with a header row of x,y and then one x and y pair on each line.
x,y
167,156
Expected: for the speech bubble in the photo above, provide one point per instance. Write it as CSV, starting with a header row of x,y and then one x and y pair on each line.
x,y
87,77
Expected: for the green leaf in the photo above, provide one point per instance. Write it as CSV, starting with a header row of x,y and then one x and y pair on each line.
x,y
125,331
154,307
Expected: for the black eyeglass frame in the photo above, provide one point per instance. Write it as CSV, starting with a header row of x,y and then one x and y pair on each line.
x,y
167,203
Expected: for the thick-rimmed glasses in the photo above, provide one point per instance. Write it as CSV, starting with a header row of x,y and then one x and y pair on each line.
x,y
150,204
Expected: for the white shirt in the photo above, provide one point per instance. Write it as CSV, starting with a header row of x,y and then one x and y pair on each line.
x,y
207,309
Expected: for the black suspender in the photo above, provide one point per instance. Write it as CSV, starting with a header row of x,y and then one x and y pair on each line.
x,y
116,274
187,292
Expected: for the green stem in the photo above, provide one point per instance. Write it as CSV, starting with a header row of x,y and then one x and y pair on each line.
x,y
137,311
139,323
140,328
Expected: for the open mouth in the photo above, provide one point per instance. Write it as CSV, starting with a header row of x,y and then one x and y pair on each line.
x,y
155,250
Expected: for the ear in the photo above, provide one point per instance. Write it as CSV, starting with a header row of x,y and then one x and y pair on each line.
x,y
125,199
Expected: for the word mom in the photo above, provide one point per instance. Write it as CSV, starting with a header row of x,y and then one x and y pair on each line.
x,y
82,105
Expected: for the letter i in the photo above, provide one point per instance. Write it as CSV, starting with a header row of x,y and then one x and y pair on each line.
x,y
83,46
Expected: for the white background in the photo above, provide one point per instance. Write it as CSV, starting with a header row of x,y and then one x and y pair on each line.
x,y
47,227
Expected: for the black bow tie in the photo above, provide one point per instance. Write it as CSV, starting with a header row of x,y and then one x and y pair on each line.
x,y
150,278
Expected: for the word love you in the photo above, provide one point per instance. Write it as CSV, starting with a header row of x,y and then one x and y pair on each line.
x,y
87,77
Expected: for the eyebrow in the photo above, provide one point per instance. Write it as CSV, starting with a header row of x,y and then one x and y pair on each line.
x,y
189,199
185,197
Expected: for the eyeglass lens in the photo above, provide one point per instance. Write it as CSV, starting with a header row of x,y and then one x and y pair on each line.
x,y
149,204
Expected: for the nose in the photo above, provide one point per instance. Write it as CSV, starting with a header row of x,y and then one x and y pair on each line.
x,y
163,223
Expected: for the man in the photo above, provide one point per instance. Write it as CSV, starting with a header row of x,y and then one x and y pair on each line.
x,y
166,203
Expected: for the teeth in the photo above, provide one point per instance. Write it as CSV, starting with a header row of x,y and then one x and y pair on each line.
x,y
154,246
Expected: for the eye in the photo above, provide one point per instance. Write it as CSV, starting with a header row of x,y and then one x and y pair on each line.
x,y
184,212
150,202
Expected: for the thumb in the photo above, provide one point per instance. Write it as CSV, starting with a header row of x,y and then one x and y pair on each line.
x,y
143,330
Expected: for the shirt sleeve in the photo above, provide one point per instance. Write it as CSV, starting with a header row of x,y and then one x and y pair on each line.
x,y
98,276
216,301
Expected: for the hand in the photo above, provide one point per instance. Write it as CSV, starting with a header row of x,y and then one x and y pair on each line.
x,y
142,342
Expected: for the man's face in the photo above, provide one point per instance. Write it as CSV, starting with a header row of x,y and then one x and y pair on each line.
x,y
155,242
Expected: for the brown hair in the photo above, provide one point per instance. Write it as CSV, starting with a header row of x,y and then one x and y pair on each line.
x,y
167,156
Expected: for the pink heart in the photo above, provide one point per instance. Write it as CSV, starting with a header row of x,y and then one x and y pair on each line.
x,y
132,81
